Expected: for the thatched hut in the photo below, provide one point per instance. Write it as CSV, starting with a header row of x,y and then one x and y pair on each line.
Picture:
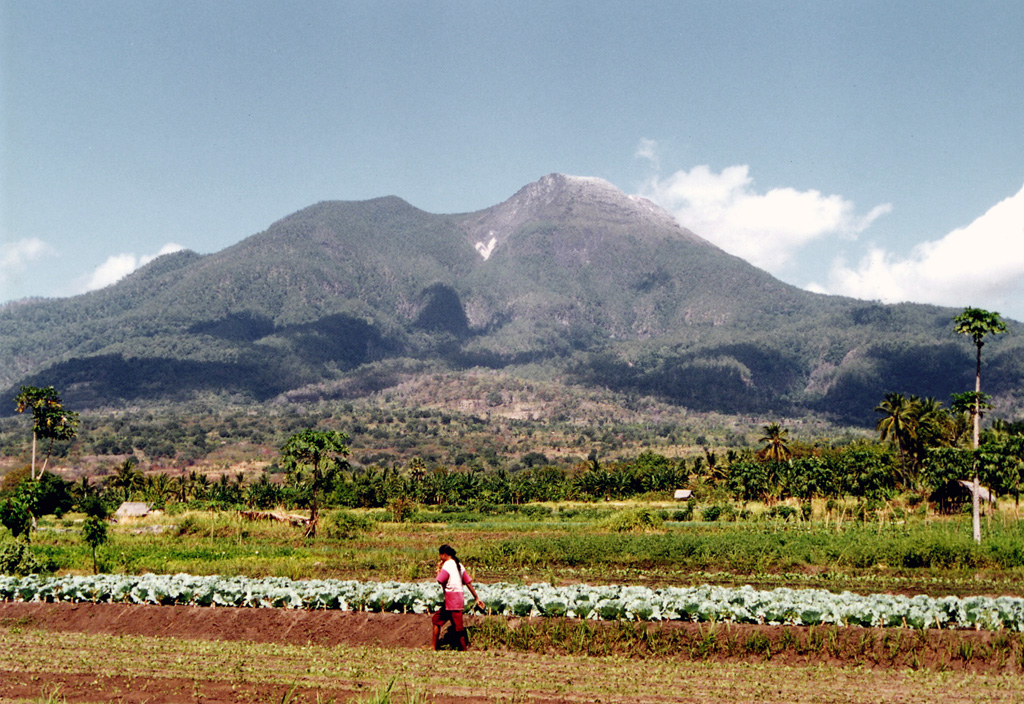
x,y
132,509
955,495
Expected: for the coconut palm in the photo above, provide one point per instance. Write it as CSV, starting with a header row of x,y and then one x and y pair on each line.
x,y
998,432
776,447
199,485
932,422
180,489
718,471
128,479
978,323
935,428
898,423
158,487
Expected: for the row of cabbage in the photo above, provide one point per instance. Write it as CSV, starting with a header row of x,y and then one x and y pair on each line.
x,y
706,603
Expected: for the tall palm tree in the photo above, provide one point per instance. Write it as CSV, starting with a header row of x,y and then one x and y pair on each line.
x,y
977,323
899,423
776,447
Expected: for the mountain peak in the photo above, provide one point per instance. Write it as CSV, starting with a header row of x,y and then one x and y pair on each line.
x,y
557,197
573,191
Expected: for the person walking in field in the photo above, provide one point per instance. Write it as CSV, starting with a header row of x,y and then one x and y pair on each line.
x,y
452,576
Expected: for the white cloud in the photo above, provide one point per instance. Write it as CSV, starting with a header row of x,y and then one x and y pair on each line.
x,y
118,266
16,257
767,229
981,264
647,150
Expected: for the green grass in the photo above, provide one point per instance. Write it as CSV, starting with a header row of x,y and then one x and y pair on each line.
x,y
752,548
626,543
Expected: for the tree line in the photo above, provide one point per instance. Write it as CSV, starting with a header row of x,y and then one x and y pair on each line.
x,y
921,446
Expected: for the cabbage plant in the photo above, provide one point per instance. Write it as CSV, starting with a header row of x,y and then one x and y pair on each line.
x,y
705,603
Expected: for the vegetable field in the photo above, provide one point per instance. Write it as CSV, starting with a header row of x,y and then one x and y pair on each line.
x,y
712,604
617,603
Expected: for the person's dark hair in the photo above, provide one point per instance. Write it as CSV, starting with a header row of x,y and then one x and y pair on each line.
x,y
450,552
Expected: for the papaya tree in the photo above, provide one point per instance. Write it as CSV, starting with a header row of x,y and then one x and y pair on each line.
x,y
978,323
314,458
50,420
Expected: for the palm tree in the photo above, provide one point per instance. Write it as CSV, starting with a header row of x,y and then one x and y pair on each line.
x,y
180,489
935,428
198,485
717,472
899,422
776,447
158,488
127,479
999,431
978,323
932,422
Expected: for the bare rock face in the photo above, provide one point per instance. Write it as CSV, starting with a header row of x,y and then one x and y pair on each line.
x,y
562,198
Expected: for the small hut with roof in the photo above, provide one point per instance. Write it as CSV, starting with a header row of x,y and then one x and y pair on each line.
x,y
955,495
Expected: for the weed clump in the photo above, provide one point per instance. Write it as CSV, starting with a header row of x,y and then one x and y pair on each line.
x,y
635,520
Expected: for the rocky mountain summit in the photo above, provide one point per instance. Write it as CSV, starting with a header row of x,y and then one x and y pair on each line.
x,y
558,197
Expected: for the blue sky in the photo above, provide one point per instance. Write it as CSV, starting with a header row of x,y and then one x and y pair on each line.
x,y
873,149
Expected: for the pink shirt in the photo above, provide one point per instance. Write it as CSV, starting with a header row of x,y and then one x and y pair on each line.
x,y
453,580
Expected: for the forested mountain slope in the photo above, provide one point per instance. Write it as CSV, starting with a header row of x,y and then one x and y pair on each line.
x,y
570,276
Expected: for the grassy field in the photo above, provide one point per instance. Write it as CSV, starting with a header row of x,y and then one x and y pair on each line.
x,y
627,543
526,661
97,668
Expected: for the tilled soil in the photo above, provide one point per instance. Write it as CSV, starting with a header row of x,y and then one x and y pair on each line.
x,y
74,675
296,627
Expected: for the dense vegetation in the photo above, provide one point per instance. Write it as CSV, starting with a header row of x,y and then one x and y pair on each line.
x,y
432,458
897,548
343,300
871,474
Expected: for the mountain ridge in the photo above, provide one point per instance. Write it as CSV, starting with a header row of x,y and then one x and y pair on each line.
x,y
570,273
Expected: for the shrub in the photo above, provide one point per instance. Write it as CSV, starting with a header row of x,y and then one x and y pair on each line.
x,y
188,526
401,508
719,512
782,511
94,533
685,514
16,558
535,511
634,520
346,524
94,507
